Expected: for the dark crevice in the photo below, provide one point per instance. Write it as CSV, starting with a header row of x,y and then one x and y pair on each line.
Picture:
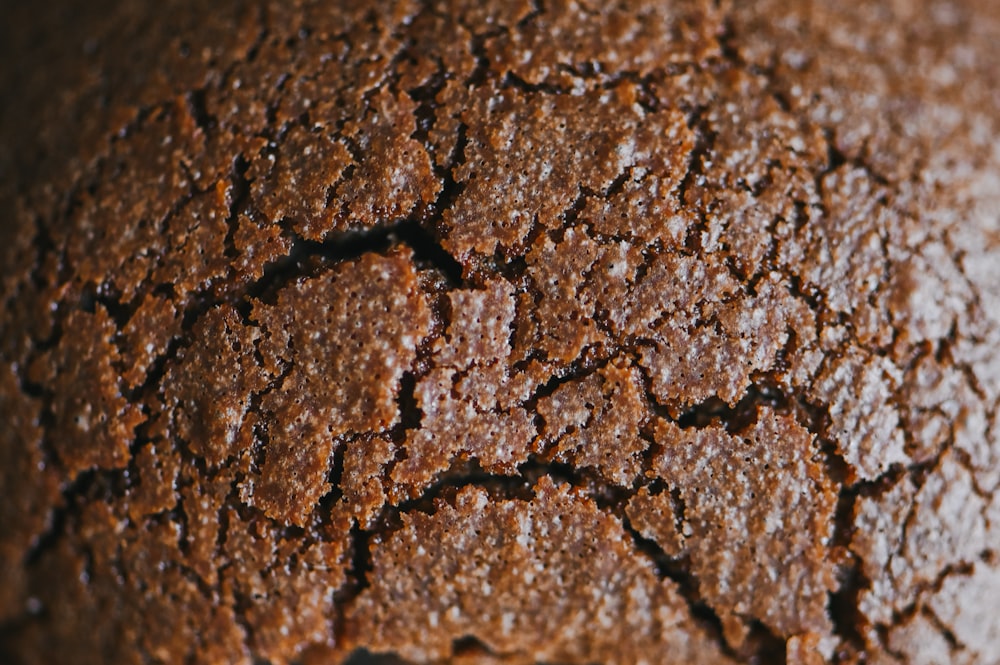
x,y
578,370
945,631
361,563
308,258
519,485
761,645
44,246
327,504
241,606
477,47
88,298
198,109
239,193
469,646
843,608
410,414
111,299
571,214
358,573
428,252
537,9
464,473
727,45
839,472
735,419
365,657
73,495
155,372
426,95
512,80
693,175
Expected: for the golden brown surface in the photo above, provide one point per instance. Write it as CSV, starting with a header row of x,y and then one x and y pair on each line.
x,y
500,332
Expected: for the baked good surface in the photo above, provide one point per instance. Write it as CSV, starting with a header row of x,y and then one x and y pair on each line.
x,y
500,332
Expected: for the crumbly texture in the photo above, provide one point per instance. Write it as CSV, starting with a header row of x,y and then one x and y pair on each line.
x,y
500,332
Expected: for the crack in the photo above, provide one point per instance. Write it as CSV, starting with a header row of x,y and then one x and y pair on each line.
x,y
72,496
366,657
694,176
944,630
715,411
362,542
761,644
512,80
238,196
469,646
425,95
686,584
307,258
609,499
482,72
845,613
917,605
241,605
198,109
578,370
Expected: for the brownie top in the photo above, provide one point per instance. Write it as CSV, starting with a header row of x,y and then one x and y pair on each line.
x,y
500,331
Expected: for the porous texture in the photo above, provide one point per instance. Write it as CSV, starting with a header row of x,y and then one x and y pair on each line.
x,y
646,332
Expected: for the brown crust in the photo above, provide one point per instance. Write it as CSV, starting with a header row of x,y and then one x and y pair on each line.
x,y
505,332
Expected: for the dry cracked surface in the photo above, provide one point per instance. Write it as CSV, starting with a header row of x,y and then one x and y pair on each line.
x,y
500,332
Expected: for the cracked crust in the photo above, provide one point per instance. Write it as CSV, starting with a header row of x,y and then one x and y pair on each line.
x,y
500,332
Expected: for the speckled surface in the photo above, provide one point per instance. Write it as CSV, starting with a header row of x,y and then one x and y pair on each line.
x,y
500,332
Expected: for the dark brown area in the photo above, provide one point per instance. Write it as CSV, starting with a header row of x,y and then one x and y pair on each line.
x,y
500,332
